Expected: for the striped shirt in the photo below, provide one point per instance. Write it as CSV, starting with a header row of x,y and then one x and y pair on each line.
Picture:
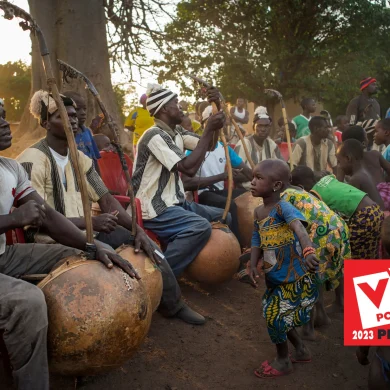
x,y
14,185
45,178
158,151
315,157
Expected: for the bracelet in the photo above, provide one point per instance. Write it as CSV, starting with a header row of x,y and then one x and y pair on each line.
x,y
309,250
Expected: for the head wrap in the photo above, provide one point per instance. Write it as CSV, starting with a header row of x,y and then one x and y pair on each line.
x,y
42,104
157,98
368,125
366,82
261,113
207,112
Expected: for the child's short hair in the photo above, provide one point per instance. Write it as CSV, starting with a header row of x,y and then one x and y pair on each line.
x,y
352,147
354,132
385,124
300,174
305,102
316,121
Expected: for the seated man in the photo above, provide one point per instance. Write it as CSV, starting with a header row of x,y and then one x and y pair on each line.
x,y
157,181
84,139
316,150
209,181
47,162
259,145
23,312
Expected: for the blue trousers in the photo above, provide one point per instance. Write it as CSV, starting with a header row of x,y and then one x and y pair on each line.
x,y
185,230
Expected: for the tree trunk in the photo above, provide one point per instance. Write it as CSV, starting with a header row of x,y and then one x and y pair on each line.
x,y
75,32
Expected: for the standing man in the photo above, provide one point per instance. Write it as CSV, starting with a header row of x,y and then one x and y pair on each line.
x,y
365,106
139,120
301,121
182,226
241,116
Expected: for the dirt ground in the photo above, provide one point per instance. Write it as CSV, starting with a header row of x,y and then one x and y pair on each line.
x,y
223,353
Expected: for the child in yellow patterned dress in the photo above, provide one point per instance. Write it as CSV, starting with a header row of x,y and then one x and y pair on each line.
x,y
287,255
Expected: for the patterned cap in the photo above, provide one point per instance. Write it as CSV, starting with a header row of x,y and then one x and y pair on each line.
x,y
157,98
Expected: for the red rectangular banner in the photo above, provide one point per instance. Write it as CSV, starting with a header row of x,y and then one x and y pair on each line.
x,y
367,302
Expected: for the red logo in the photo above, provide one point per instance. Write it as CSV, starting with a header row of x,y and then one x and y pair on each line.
x,y
367,302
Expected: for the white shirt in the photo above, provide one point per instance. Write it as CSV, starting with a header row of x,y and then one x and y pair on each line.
x,y
62,162
214,164
14,185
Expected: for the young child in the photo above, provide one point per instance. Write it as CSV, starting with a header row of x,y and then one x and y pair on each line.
x,y
373,162
342,124
350,157
302,121
330,236
382,136
281,136
287,254
103,143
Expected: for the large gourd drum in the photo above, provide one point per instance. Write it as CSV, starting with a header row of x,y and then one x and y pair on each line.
x,y
218,261
149,273
98,317
246,205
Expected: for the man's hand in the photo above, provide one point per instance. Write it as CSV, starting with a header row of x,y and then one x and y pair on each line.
x,y
30,214
216,122
213,95
105,223
312,263
109,258
142,241
236,173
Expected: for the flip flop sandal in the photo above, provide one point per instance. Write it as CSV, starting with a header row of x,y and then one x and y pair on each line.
x,y
266,371
243,277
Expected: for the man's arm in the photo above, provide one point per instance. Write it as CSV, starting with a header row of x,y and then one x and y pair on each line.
x,y
196,183
352,111
242,174
190,164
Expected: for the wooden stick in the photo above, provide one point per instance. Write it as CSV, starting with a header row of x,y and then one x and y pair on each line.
x,y
284,113
70,71
229,170
11,11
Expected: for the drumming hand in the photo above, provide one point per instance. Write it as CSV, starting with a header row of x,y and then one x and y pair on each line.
x,y
215,122
30,213
142,241
312,263
109,258
105,223
236,173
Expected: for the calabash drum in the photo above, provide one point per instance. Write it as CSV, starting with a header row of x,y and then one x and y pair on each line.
x,y
98,317
218,261
149,273
246,205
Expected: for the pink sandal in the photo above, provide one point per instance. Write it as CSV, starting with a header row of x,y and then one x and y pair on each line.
x,y
267,371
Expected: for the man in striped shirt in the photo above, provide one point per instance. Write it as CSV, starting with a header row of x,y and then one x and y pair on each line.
x,y
184,227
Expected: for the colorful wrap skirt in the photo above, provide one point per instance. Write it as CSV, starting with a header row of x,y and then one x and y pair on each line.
x,y
365,232
288,306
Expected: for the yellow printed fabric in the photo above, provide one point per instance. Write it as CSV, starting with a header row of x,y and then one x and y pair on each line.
x,y
328,233
141,120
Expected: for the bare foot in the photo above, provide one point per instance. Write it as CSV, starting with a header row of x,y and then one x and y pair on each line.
x,y
362,356
301,356
321,318
308,332
282,365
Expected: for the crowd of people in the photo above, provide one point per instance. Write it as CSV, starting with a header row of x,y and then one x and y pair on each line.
x,y
330,207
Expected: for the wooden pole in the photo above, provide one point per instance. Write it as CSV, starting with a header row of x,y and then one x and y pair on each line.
x,y
11,11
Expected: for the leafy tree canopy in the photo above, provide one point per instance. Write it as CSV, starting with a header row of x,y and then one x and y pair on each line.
x,y
15,84
298,47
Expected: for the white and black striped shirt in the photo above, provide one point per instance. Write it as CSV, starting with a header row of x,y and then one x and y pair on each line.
x,y
158,151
